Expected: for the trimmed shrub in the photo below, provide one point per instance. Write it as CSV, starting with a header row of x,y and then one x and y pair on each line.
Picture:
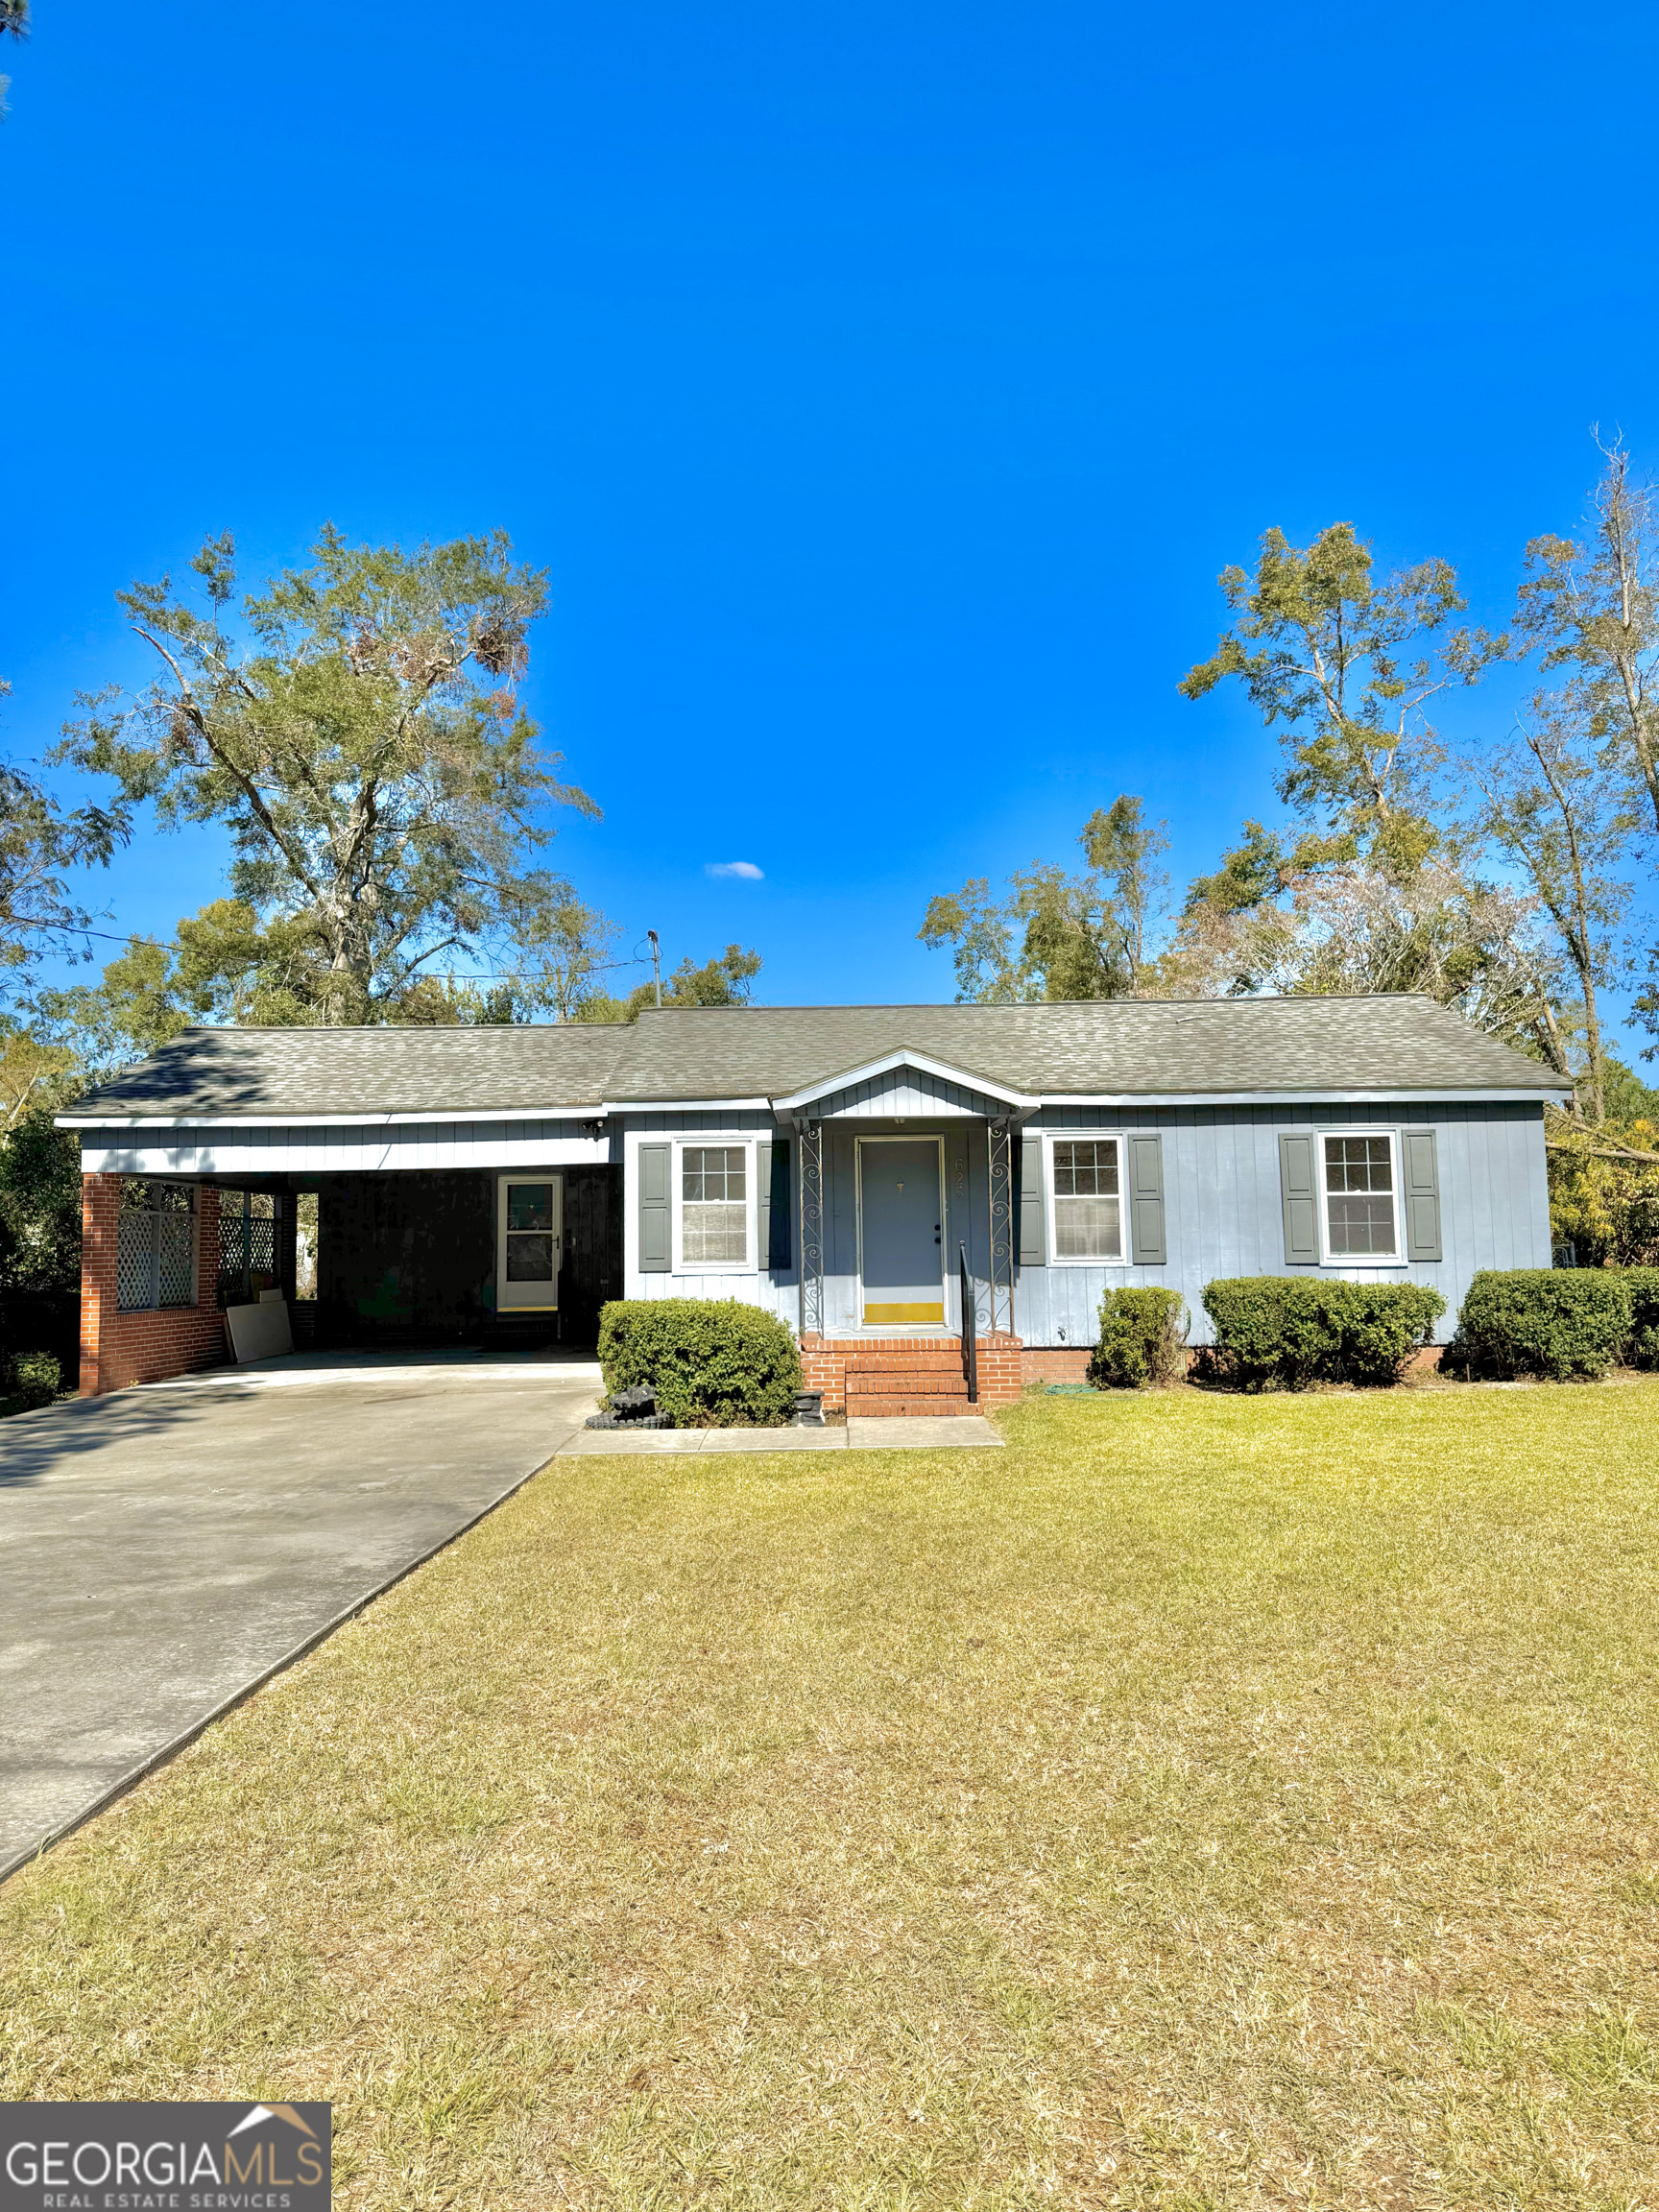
x,y
713,1364
1382,1324
1557,1322
1643,1284
31,1378
1142,1340
1284,1332
1272,1332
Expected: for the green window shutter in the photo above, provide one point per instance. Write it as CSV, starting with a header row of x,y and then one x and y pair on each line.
x,y
1146,1246
1420,1173
776,1241
1299,1196
763,1206
1033,1209
655,1215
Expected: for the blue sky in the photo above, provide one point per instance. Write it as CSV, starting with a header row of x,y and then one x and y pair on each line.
x,y
883,387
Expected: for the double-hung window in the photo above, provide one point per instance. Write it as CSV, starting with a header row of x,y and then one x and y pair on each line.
x,y
1360,1182
1087,1206
714,1199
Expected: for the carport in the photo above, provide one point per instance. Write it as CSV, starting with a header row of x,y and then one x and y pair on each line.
x,y
497,1225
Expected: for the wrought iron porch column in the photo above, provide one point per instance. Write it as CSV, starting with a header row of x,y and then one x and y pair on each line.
x,y
1001,1152
811,1136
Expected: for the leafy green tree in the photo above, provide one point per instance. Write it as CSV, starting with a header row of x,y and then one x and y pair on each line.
x,y
38,841
1315,919
1348,666
563,946
40,1205
35,1071
1053,934
1604,1189
356,727
1627,1096
979,926
39,1165
1592,604
1122,850
1565,822
1262,866
727,980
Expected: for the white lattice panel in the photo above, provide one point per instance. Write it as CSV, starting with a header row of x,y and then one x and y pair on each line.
x,y
174,1274
135,1261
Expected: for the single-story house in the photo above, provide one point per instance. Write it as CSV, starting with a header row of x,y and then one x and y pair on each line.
x,y
872,1174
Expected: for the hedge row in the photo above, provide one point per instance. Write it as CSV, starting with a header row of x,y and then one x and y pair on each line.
x,y
1557,1322
1279,1332
718,1364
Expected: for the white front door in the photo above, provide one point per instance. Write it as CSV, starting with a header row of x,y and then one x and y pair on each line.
x,y
529,1243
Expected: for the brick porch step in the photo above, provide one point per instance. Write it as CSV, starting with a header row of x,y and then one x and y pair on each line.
x,y
889,1382
895,1408
930,1382
910,1363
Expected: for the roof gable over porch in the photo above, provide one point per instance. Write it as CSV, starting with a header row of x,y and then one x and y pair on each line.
x,y
903,1085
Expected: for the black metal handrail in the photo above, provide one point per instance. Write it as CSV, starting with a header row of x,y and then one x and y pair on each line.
x,y
969,1333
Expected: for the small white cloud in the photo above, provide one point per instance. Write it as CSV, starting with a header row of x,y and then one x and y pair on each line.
x,y
744,868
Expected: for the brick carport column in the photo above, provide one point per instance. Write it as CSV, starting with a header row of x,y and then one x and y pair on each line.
x,y
100,1257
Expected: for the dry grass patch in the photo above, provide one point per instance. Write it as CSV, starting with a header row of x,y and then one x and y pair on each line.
x,y
1206,1802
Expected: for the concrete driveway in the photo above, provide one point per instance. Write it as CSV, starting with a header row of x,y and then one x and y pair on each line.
x,y
163,1550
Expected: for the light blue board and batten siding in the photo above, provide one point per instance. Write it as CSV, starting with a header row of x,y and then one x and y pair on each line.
x,y
962,1128
904,1093
1223,1208
776,1291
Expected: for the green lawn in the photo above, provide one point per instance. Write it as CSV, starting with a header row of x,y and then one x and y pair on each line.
x,y
1208,1801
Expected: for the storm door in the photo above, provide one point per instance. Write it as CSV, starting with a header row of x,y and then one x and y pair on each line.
x,y
529,1243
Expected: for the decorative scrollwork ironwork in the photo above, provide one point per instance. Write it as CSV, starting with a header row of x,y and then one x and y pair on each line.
x,y
1002,1272
812,1138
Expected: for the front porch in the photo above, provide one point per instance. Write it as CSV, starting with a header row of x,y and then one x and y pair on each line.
x,y
907,1256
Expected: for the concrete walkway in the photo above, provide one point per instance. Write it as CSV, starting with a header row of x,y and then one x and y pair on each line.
x,y
162,1550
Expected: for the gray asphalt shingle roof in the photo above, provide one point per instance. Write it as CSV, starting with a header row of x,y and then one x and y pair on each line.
x,y
1112,1046
284,1072
1118,1047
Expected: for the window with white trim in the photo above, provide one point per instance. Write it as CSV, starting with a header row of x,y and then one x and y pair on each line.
x,y
1088,1209
714,1206
1361,1197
